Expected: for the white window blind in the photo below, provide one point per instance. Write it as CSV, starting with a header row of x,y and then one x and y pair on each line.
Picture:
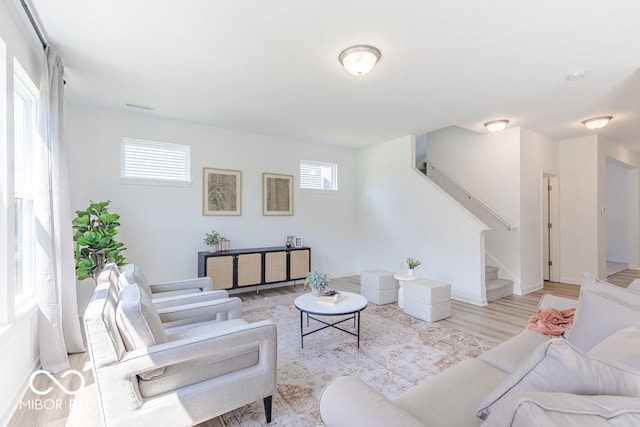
x,y
151,160
318,175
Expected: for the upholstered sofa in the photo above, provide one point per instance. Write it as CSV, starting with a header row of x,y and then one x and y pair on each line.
x,y
591,377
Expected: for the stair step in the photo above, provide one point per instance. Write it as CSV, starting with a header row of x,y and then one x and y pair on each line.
x,y
498,288
490,272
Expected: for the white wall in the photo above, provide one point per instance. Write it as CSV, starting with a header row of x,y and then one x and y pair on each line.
x,y
401,214
609,151
583,195
617,213
487,165
538,156
578,207
19,354
163,226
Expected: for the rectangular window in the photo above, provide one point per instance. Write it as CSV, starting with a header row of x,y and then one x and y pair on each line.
x,y
155,161
24,125
318,175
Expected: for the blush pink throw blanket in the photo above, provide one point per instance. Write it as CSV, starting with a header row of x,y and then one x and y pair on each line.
x,y
550,321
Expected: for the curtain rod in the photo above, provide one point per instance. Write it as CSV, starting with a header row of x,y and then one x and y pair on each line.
x,y
34,24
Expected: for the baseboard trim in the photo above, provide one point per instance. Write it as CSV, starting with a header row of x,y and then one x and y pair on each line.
x,y
619,261
469,300
530,289
570,281
339,275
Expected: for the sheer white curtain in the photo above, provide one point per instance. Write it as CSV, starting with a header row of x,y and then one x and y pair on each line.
x,y
58,322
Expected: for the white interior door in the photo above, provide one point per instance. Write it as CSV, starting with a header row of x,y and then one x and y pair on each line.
x,y
545,229
550,229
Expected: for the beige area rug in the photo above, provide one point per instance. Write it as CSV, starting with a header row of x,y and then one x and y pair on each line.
x,y
396,351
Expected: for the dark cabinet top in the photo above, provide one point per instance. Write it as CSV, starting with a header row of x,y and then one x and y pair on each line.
x,y
251,251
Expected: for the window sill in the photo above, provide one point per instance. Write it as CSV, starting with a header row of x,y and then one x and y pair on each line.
x,y
314,191
158,182
23,312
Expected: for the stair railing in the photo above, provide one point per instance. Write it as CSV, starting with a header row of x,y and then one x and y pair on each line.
x,y
469,194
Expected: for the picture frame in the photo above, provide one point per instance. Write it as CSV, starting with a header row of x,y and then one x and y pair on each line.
x,y
277,194
298,242
221,191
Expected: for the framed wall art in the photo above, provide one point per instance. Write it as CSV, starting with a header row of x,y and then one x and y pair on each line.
x,y
277,194
221,191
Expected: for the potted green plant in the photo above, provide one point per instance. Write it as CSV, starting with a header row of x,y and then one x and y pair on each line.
x,y
412,263
212,239
95,242
318,282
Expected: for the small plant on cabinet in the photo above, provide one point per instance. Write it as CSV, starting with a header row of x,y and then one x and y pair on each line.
x,y
212,239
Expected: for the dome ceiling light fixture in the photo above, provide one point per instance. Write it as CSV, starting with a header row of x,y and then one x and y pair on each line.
x,y
577,74
359,59
597,122
496,125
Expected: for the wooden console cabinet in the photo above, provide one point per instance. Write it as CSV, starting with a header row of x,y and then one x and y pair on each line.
x,y
258,266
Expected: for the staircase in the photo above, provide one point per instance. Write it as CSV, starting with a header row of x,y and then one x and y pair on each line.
x,y
496,288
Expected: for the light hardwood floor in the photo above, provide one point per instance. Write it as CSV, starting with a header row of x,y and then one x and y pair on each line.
x,y
497,321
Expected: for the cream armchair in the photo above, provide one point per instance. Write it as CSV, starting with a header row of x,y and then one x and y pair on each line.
x,y
170,367
169,294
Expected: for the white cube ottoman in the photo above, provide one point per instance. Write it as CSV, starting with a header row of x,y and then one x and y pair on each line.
x,y
427,299
378,286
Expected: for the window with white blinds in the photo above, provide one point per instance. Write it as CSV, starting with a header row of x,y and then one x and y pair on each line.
x,y
318,175
155,161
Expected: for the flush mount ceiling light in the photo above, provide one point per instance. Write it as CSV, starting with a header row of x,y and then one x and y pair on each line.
x,y
597,122
576,75
496,125
359,59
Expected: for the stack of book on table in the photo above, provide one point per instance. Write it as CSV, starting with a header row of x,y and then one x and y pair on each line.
x,y
329,296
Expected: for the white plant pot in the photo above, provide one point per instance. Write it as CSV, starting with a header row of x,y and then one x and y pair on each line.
x,y
410,272
213,248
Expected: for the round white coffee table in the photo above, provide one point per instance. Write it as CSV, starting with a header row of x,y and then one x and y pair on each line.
x,y
402,277
349,304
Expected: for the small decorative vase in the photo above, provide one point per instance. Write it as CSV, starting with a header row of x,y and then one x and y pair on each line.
x,y
410,272
316,292
213,248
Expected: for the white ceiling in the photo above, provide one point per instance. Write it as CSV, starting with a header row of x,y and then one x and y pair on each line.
x,y
271,67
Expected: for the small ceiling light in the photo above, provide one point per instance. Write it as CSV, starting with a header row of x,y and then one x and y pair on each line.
x,y
597,122
577,74
359,59
496,125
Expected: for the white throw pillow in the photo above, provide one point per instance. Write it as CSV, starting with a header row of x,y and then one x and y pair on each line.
x,y
139,323
134,275
534,409
603,309
557,366
623,347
